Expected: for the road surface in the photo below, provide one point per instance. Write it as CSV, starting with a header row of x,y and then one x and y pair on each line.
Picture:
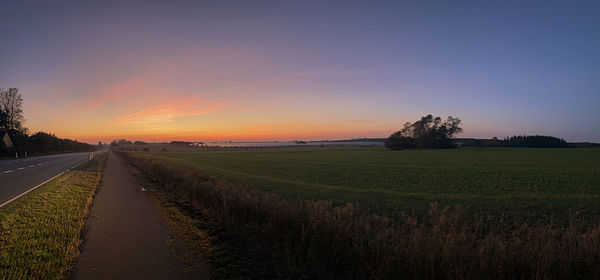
x,y
20,175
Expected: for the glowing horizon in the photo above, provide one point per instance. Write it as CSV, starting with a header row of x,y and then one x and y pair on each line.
x,y
196,71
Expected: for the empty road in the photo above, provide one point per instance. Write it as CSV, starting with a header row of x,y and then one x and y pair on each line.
x,y
20,175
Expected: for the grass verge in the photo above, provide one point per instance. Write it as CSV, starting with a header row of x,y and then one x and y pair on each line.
x,y
40,233
275,238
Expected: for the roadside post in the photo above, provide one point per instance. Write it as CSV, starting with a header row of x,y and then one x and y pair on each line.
x,y
91,155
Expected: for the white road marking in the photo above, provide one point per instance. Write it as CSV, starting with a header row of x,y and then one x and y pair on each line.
x,y
21,168
31,165
7,171
41,184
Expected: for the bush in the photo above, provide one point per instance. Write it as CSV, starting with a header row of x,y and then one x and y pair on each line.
x,y
399,142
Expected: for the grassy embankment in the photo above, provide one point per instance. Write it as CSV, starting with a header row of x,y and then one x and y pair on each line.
x,y
295,238
40,233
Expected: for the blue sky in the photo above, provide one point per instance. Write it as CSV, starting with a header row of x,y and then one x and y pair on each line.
x,y
302,70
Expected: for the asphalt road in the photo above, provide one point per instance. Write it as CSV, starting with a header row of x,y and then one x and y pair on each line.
x,y
20,175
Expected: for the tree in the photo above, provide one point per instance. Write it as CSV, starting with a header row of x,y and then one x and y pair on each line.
x,y
11,113
535,141
3,122
426,133
11,121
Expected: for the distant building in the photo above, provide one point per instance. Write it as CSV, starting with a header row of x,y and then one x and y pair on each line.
x,y
7,141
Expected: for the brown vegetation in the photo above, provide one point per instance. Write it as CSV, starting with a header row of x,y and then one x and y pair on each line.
x,y
318,240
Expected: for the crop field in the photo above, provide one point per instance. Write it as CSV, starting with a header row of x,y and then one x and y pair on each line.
x,y
532,183
530,213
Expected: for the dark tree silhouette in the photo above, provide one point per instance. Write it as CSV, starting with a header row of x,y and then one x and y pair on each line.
x,y
3,122
12,114
535,141
426,133
11,122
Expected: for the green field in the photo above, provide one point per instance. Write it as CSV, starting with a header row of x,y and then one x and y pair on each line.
x,y
530,182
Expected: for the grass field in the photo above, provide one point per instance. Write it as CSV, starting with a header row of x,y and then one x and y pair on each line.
x,y
304,238
40,233
530,182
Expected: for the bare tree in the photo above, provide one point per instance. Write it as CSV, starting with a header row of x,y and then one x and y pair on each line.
x,y
11,112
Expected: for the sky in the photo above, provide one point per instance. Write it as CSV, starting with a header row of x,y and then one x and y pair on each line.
x,y
301,70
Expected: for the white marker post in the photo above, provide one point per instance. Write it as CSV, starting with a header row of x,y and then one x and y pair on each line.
x,y
91,156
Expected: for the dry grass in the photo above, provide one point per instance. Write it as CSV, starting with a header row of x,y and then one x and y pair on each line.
x,y
40,233
318,240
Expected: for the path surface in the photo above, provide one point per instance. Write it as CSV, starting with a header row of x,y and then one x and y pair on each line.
x,y
126,237
20,175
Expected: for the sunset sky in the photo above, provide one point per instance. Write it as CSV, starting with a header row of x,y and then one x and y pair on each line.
x,y
286,70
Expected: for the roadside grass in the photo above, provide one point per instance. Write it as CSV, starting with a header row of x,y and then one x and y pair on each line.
x,y
200,240
40,233
530,183
314,239
192,241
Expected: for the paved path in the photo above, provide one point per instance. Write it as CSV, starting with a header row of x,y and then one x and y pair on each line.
x,y
126,237
20,175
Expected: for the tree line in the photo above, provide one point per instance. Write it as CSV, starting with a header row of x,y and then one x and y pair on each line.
x,y
21,142
427,133
525,141
432,133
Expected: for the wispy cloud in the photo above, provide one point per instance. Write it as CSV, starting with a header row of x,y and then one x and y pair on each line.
x,y
168,111
196,104
361,121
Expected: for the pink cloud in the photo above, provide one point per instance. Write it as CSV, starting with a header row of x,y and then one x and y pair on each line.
x,y
361,121
168,111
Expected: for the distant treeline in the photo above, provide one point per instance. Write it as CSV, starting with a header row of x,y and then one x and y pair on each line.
x,y
532,141
14,137
355,140
181,142
119,142
40,142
